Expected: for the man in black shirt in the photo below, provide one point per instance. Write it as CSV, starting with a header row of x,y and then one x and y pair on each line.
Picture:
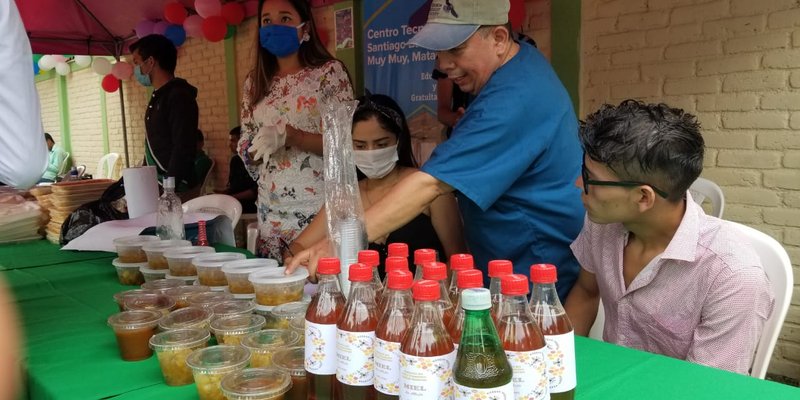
x,y
171,116
240,184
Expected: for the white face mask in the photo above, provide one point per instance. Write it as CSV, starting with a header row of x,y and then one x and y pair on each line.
x,y
376,164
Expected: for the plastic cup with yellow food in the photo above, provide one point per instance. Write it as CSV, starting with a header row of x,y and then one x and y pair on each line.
x,y
173,348
264,343
230,330
257,384
211,364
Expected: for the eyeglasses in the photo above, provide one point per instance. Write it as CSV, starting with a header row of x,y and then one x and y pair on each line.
x,y
587,182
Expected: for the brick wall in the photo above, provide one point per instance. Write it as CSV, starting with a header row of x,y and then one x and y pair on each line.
x,y
537,23
85,118
48,99
736,65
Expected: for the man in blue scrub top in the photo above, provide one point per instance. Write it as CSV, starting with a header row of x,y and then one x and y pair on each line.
x,y
512,158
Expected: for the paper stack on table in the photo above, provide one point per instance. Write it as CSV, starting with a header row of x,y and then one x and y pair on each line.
x,y
20,219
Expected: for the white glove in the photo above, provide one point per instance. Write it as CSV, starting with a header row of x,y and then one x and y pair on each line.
x,y
268,139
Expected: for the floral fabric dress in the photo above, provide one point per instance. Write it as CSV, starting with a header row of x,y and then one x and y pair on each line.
x,y
290,182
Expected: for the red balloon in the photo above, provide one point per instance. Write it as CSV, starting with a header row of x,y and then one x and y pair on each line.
x,y
110,83
516,15
233,13
175,13
215,28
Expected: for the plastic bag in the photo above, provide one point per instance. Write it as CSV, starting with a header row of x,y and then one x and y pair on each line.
x,y
343,208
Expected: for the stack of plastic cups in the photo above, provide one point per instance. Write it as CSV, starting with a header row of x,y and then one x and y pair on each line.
x,y
351,241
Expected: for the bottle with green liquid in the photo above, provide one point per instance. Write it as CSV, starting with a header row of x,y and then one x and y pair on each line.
x,y
481,369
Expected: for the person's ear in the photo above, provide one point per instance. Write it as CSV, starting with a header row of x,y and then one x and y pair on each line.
x,y
645,198
501,39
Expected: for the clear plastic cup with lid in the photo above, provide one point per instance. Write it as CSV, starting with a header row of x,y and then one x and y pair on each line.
x,y
180,259
256,384
282,315
299,326
209,365
230,330
129,273
233,307
155,302
236,273
264,343
119,297
292,360
150,274
186,318
155,251
208,299
172,348
273,287
186,280
162,285
129,248
133,330
209,268
182,293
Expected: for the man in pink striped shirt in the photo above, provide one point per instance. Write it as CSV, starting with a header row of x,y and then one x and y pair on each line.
x,y
673,280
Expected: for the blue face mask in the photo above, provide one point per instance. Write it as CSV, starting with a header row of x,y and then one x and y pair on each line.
x,y
142,78
280,40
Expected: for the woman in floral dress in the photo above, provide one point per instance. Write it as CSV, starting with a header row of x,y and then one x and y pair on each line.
x,y
293,76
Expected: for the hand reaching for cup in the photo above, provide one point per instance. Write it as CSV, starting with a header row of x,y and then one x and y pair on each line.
x,y
309,258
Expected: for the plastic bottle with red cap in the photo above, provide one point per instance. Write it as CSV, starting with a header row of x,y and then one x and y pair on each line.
x,y
436,271
397,250
392,264
392,327
498,268
557,329
373,259
427,353
458,262
422,257
320,330
522,339
355,343
467,279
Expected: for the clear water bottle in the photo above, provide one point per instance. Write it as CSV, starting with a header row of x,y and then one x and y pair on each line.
x,y
170,213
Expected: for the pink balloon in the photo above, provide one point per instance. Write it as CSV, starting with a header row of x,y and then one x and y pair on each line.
x,y
208,8
160,27
58,58
250,8
144,28
193,26
122,70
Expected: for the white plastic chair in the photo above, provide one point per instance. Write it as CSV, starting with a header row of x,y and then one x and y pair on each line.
x,y
703,189
778,268
596,332
216,203
62,166
106,166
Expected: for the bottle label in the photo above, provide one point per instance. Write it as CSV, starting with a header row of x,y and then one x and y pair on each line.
x,y
505,392
560,358
354,353
387,367
530,377
426,377
320,349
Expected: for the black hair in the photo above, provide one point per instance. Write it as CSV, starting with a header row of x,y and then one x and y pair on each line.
x,y
391,118
48,137
200,137
236,131
652,143
158,47
312,53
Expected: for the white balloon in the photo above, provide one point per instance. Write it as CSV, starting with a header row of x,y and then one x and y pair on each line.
x,y
58,58
83,61
46,63
101,66
62,69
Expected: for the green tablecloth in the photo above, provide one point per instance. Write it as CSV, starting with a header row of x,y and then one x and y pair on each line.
x,y
72,354
38,253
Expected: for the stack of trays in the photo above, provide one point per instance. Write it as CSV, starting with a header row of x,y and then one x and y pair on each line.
x,y
20,220
68,196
